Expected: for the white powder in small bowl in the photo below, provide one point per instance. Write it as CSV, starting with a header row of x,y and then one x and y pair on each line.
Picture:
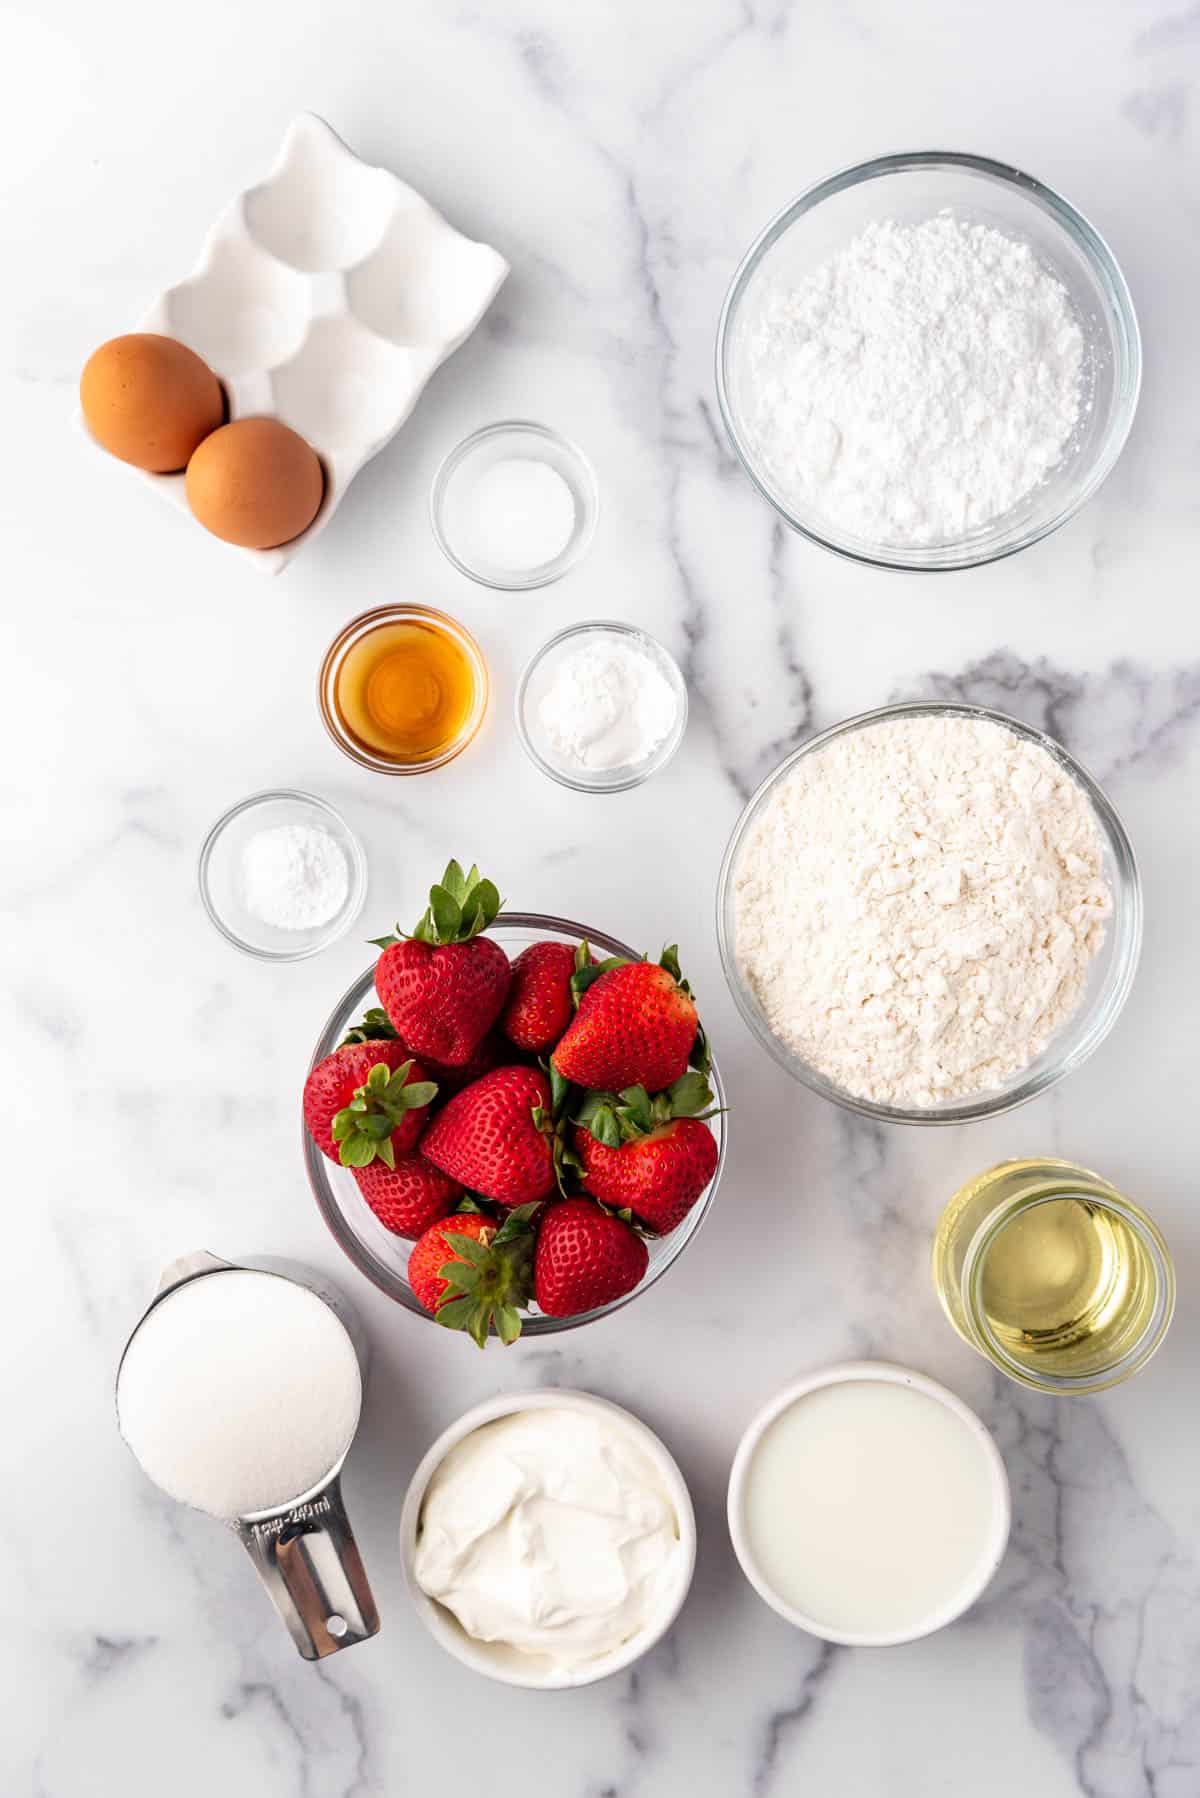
x,y
522,515
294,876
608,705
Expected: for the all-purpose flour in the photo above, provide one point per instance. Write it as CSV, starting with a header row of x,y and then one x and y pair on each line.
x,y
918,384
917,905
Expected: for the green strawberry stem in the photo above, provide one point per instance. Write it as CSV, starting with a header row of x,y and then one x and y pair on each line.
x,y
615,1118
363,1129
489,1284
376,1027
460,907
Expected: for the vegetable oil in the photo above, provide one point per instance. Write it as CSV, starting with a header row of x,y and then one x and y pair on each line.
x,y
1048,1271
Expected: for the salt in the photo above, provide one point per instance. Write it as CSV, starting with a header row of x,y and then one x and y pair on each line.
x,y
522,515
239,1392
294,877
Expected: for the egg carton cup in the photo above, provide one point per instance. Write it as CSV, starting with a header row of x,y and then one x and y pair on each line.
x,y
326,297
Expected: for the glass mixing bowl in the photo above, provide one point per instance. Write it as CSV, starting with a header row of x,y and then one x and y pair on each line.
x,y
908,188
1110,973
383,1257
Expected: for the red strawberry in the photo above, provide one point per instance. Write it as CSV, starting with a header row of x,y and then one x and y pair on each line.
x,y
473,1273
367,1099
653,1157
443,987
497,1137
540,1002
584,1258
492,1052
636,1026
409,1197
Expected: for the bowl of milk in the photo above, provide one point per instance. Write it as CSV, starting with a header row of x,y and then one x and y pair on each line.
x,y
868,1505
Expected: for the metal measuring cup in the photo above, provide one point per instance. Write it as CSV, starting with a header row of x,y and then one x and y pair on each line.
x,y
304,1550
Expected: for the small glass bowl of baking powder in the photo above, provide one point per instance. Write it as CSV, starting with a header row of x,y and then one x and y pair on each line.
x,y
601,707
514,506
282,875
794,447
1109,974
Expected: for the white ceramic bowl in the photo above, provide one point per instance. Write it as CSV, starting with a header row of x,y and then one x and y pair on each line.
x,y
494,1660
891,1374
326,296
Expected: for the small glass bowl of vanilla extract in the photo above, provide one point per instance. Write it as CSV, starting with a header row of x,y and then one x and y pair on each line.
x,y
403,689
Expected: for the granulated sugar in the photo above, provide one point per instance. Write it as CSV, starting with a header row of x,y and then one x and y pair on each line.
x,y
917,906
918,384
239,1392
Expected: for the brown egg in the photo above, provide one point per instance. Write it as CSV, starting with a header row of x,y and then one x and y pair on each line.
x,y
150,400
255,482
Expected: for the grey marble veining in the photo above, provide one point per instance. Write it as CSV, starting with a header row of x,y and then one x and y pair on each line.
x,y
621,157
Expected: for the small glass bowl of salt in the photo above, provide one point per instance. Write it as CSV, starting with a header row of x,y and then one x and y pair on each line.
x,y
282,875
601,707
514,506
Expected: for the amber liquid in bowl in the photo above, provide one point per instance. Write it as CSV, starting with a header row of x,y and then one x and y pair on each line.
x,y
405,690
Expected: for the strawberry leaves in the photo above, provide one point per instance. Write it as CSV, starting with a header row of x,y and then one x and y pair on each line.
x,y
376,1027
489,1284
460,907
616,1118
363,1129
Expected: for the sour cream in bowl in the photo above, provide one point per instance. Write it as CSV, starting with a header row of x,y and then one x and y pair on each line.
x,y
548,1539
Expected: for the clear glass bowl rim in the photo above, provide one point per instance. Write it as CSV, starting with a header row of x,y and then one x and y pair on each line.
x,y
395,1287
358,874
359,626
580,540
662,755
1107,270
1126,924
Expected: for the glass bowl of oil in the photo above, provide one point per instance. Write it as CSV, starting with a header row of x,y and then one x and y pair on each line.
x,y
1053,1276
1110,971
403,689
383,1257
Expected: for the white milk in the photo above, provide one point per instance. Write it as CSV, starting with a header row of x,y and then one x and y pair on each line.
x,y
239,1392
872,1508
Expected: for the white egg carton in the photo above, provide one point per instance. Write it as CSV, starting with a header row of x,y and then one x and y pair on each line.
x,y
326,296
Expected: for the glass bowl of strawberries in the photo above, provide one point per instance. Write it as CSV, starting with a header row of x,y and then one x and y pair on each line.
x,y
513,1122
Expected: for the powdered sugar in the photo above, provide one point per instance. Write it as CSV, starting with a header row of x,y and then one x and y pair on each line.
x,y
917,905
918,384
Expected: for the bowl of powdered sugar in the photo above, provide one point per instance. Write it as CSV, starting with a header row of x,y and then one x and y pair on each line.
x,y
929,361
930,913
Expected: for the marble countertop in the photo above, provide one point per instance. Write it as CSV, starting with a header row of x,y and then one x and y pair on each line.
x,y
621,157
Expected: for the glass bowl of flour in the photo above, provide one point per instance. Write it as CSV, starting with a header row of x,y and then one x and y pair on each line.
x,y
929,361
929,913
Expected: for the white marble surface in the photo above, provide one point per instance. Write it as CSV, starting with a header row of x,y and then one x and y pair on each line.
x,y
620,156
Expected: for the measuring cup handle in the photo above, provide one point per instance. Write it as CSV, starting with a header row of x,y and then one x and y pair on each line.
x,y
309,1562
